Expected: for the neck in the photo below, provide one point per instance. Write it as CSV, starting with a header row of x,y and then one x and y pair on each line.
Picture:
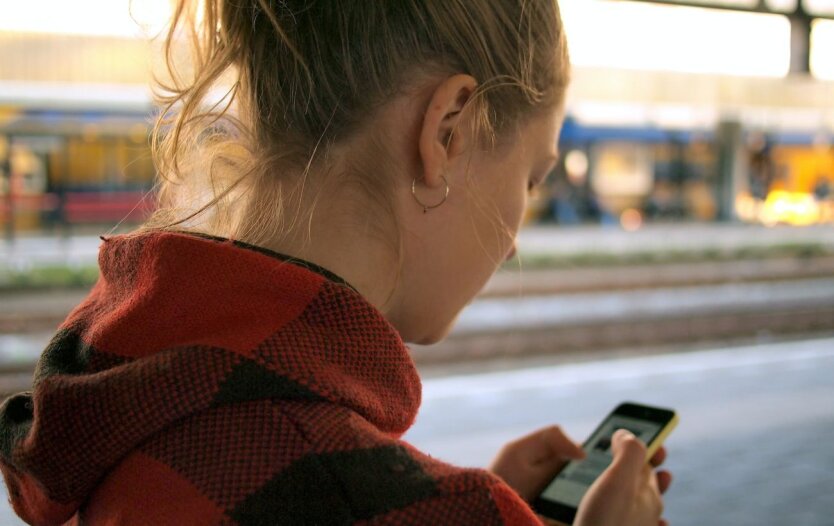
x,y
340,236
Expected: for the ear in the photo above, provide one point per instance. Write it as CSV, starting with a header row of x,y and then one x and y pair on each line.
x,y
442,136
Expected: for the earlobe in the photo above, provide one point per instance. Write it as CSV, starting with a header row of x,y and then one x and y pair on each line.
x,y
443,136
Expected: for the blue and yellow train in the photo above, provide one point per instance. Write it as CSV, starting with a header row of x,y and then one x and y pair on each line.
x,y
62,167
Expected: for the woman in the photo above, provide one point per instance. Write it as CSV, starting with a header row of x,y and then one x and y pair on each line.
x,y
241,359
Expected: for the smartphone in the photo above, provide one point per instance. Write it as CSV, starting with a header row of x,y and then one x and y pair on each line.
x,y
561,497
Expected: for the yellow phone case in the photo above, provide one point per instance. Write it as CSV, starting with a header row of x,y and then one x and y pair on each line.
x,y
661,437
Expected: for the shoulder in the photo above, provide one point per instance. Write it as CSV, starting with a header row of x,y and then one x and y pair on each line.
x,y
380,479
385,480
459,496
296,463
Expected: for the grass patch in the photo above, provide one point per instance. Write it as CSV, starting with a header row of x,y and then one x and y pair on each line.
x,y
48,277
608,259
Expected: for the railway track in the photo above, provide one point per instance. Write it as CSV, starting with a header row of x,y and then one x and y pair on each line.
x,y
632,334
626,335
652,276
44,310
556,312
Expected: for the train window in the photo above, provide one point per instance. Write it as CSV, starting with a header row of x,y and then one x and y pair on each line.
x,y
622,174
28,171
784,6
822,49
819,7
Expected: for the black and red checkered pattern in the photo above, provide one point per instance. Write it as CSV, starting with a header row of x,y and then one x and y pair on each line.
x,y
206,381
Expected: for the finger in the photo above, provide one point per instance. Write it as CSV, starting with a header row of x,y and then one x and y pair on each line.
x,y
629,454
664,480
659,457
559,446
663,522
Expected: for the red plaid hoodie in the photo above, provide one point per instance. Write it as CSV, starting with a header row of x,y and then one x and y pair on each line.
x,y
205,381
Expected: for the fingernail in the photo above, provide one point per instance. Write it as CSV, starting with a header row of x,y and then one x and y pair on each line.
x,y
624,433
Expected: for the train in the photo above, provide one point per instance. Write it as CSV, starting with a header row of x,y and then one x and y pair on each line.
x,y
62,168
65,167
630,175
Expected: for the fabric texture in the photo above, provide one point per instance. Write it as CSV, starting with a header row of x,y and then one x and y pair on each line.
x,y
205,381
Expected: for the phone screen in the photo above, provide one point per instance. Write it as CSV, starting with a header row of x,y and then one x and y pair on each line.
x,y
573,481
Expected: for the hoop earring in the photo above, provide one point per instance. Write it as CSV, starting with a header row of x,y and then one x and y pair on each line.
x,y
426,207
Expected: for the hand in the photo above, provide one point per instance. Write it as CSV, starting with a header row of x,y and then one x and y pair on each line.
x,y
628,493
528,464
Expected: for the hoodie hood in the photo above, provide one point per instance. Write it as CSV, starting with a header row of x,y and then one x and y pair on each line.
x,y
178,323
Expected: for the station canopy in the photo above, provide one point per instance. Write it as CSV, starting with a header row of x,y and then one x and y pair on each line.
x,y
746,38
780,37
816,8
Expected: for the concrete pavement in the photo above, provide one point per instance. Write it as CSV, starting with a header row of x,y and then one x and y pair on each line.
x,y
668,237
492,327
753,446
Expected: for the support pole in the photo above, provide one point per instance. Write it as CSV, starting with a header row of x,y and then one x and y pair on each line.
x,y
800,42
6,171
731,168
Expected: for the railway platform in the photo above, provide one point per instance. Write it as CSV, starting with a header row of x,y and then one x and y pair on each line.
x,y
39,248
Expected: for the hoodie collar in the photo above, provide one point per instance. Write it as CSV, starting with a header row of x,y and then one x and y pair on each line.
x,y
178,323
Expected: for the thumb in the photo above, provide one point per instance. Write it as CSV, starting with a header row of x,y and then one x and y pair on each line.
x,y
629,454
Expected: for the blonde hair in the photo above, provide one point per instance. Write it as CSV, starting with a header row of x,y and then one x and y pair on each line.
x,y
300,77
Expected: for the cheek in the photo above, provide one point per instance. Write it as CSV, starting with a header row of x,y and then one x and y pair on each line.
x,y
501,221
516,191
509,194
515,205
522,202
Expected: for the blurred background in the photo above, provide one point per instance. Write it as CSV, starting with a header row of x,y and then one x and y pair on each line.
x,y
682,254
